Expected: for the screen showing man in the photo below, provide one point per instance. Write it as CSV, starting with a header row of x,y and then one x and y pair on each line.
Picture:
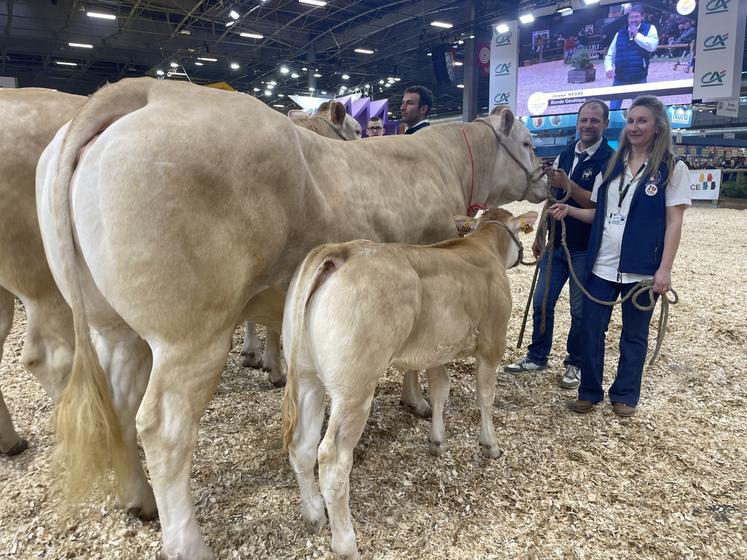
x,y
618,51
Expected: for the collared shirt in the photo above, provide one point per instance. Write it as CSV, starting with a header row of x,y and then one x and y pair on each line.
x,y
591,150
648,42
608,258
417,126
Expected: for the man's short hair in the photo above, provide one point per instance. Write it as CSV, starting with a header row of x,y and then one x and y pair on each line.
x,y
426,97
636,8
375,120
602,104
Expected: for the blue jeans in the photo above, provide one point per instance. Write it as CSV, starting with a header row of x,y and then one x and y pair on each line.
x,y
615,104
541,344
633,344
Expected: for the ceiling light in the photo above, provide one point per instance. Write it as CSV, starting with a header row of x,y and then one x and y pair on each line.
x,y
173,65
442,24
565,11
313,2
207,59
81,45
185,32
101,15
460,86
588,2
312,89
278,106
62,63
317,75
294,75
364,51
230,23
460,41
268,93
273,83
324,93
397,79
345,77
428,54
458,63
256,89
526,18
502,28
160,72
251,35
388,84
199,64
270,86
389,79
381,82
233,14
284,70
235,66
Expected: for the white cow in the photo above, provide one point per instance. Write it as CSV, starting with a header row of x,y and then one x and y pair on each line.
x,y
355,308
29,118
331,121
167,233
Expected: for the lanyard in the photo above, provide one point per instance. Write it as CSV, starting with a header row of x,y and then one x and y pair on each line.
x,y
624,191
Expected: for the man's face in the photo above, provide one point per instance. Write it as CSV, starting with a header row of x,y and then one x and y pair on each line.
x,y
591,124
635,18
411,111
375,128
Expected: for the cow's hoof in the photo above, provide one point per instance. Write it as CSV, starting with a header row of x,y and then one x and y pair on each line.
x,y
491,452
251,360
143,514
421,409
316,525
435,448
277,381
20,446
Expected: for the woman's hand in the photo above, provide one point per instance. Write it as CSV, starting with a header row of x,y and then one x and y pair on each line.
x,y
558,211
662,281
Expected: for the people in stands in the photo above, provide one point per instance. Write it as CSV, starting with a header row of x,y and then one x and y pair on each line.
x,y
574,172
375,127
641,200
417,103
629,52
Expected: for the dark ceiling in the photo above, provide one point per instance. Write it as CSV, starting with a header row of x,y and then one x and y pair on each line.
x,y
152,35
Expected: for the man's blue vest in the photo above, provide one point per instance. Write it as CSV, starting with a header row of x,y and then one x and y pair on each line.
x,y
577,232
631,60
643,236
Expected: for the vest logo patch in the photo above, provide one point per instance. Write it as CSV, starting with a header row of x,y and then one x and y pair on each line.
x,y
655,177
651,190
586,174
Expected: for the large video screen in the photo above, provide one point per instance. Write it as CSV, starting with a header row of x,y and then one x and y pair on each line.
x,y
613,52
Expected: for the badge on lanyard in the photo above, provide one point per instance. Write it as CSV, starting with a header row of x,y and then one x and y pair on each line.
x,y
651,189
615,218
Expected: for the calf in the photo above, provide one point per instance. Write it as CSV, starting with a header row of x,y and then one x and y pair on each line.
x,y
354,309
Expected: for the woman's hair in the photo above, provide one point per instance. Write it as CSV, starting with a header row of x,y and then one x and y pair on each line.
x,y
661,146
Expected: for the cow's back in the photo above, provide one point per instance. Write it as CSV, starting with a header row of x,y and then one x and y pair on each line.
x,y
30,117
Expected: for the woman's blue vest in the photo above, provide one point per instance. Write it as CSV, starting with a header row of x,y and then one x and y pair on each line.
x,y
643,236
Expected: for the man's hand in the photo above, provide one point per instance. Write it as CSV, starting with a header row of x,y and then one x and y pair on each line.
x,y
611,73
632,30
536,248
559,180
662,281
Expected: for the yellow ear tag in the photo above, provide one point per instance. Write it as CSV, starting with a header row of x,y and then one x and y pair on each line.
x,y
525,227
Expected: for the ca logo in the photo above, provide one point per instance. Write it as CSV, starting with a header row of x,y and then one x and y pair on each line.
x,y
503,69
717,6
501,98
710,79
715,42
503,39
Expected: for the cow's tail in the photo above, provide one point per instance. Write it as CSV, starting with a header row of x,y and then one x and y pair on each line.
x,y
90,444
316,268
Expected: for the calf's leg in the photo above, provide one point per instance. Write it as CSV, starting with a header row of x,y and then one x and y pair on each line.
x,y
412,398
271,358
485,398
438,386
10,442
250,351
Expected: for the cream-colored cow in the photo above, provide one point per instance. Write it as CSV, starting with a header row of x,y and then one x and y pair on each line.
x,y
29,118
169,232
331,121
356,308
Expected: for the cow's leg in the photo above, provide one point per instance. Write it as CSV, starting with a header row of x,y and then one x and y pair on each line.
x,y
412,398
10,442
250,352
271,358
485,398
438,386
127,359
348,415
182,382
302,451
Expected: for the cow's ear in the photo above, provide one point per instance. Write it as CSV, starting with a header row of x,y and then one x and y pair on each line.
x,y
465,225
525,222
337,113
296,115
507,121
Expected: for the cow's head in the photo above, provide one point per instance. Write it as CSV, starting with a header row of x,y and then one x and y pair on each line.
x,y
517,174
335,113
513,224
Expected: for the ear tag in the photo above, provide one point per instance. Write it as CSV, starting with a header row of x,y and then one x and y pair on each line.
x,y
525,227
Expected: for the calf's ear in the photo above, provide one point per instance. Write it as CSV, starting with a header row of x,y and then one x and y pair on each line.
x,y
337,113
525,222
296,115
465,225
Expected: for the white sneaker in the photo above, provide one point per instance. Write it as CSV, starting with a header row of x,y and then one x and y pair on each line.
x,y
523,365
571,378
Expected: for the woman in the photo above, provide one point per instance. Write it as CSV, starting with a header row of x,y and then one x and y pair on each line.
x,y
636,227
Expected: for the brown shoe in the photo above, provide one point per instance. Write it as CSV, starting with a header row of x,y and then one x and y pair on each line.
x,y
581,406
622,409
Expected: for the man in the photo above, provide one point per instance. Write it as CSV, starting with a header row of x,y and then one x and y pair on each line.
x,y
630,51
375,127
574,170
416,106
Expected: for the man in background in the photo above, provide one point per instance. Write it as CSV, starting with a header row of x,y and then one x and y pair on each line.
x,y
375,127
416,106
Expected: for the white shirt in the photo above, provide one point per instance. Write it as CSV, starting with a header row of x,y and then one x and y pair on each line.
x,y
649,42
577,151
608,258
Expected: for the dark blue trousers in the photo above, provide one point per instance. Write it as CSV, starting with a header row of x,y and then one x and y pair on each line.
x,y
633,343
615,104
